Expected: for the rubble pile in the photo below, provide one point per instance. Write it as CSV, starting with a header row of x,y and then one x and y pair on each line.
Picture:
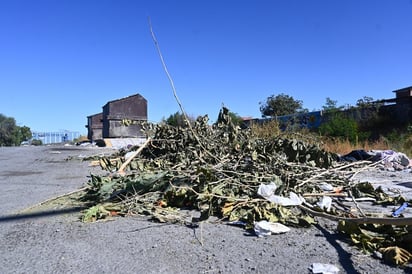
x,y
222,171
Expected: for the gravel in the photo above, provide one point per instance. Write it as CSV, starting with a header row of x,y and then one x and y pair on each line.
x,y
57,242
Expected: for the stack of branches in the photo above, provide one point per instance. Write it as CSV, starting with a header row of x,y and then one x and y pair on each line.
x,y
217,170
209,167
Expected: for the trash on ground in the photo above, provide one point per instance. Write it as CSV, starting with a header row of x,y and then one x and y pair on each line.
x,y
265,228
399,211
388,159
324,268
325,203
267,192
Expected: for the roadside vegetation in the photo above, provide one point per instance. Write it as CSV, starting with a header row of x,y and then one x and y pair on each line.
x,y
10,133
340,133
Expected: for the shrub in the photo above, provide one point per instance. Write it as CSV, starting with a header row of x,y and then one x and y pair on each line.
x,y
36,142
267,129
340,126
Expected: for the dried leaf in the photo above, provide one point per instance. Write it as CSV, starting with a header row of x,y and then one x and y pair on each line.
x,y
395,255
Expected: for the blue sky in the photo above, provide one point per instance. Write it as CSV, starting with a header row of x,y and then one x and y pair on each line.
x,y
61,61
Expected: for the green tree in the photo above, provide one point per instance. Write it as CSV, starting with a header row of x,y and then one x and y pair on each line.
x,y
281,104
10,133
365,102
7,129
331,105
178,120
235,118
22,134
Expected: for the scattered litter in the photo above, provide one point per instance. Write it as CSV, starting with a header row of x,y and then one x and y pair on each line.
x,y
398,212
391,160
325,203
326,187
324,268
265,228
128,155
267,192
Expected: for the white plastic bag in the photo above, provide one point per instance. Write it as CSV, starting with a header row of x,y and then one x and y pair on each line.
x,y
325,203
267,192
324,268
265,228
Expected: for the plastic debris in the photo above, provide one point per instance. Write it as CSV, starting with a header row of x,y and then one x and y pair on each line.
x,y
265,228
267,192
326,187
325,203
128,155
390,159
398,212
324,268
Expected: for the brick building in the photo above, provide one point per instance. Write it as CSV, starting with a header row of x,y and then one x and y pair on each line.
x,y
110,123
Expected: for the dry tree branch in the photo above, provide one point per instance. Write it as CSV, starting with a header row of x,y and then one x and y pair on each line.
x,y
175,93
166,70
124,165
353,175
329,171
362,220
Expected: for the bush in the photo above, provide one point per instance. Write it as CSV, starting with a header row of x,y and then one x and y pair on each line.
x,y
340,126
36,142
267,130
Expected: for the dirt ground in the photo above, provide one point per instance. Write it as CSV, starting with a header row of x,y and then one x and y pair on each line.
x,y
55,241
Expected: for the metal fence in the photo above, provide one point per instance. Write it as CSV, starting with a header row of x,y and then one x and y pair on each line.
x,y
55,137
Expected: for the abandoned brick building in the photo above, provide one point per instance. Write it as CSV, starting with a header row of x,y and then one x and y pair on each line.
x,y
110,122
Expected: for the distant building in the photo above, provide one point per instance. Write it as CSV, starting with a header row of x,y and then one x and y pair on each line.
x,y
48,137
120,118
95,126
403,95
403,110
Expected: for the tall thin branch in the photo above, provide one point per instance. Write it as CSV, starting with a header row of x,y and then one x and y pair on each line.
x,y
166,70
175,93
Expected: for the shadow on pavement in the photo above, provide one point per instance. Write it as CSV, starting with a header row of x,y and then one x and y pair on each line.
x,y
344,256
39,214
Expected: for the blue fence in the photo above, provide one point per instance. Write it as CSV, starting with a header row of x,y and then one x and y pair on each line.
x,y
309,120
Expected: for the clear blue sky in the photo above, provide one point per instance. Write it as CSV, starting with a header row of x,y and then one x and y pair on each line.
x,y
62,60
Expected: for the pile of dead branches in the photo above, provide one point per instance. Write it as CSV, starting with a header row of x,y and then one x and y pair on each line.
x,y
220,170
214,169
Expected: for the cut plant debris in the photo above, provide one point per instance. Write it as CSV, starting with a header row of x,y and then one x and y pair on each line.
x,y
217,171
